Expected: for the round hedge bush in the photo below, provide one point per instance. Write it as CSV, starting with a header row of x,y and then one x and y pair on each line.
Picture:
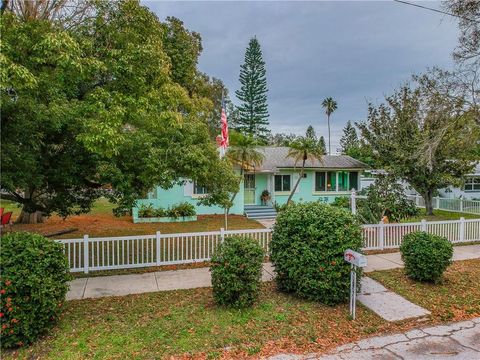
x,y
426,256
34,276
308,243
236,272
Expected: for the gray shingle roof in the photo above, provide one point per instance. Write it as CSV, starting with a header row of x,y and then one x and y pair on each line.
x,y
276,158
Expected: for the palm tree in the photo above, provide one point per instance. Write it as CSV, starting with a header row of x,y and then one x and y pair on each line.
x,y
302,149
244,153
330,106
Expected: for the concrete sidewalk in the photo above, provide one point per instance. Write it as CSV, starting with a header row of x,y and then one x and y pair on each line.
x,y
456,341
119,285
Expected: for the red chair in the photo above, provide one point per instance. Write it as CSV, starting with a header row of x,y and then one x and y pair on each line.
x,y
6,220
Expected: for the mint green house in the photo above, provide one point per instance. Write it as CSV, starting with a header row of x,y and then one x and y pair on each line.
x,y
334,176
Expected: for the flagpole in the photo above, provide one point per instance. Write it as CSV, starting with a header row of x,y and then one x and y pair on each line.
x,y
222,154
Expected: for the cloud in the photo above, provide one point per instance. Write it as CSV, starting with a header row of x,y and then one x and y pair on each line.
x,y
353,51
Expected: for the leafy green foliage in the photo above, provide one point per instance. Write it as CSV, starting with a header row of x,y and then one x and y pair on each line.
x,y
426,256
308,243
175,211
385,197
34,282
330,106
112,101
305,148
349,138
423,138
342,202
253,111
236,272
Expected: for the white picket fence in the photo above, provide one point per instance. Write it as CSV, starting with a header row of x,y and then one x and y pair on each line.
x,y
125,252
389,236
456,205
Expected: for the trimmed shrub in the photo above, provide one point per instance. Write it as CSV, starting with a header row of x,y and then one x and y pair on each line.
x,y
236,271
307,248
34,276
426,256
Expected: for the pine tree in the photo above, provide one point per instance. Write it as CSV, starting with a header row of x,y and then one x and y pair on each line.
x,y
322,145
349,139
253,111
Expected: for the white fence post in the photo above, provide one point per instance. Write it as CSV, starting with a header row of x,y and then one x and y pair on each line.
x,y
462,229
157,237
381,237
85,254
222,235
461,204
424,225
353,202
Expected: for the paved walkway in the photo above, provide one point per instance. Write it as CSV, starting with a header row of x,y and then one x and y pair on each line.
x,y
456,341
120,285
387,304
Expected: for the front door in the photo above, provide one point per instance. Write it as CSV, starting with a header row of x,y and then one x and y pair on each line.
x,y
249,189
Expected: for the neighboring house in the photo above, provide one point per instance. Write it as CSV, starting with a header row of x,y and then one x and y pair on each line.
x,y
470,190
335,175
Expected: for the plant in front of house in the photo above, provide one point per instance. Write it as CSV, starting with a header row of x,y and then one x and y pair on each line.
x,y
265,197
236,272
176,211
385,197
34,282
426,256
307,247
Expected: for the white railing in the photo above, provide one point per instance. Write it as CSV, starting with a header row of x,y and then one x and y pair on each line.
x,y
456,205
124,252
389,236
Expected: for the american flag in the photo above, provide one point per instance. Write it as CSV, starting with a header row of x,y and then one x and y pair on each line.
x,y
224,135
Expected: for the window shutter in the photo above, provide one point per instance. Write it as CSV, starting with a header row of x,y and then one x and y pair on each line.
x,y
188,188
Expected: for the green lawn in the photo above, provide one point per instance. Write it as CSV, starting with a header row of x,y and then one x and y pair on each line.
x,y
456,298
159,325
440,215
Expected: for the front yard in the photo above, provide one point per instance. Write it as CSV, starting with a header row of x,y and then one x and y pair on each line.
x,y
101,222
456,298
186,324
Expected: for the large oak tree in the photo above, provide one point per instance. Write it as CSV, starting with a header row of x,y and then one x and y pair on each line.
x,y
103,103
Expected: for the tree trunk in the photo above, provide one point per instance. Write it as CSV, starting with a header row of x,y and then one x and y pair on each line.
x,y
30,218
428,202
296,184
329,148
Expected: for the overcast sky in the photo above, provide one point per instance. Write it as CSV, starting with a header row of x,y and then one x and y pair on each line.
x,y
355,52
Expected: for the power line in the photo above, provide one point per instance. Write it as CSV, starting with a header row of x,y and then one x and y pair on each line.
x,y
436,10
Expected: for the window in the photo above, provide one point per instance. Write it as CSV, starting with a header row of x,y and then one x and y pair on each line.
x,y
472,184
327,180
353,180
320,183
343,181
282,183
199,190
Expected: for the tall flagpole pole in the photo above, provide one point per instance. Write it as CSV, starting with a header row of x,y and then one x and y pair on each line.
x,y
222,151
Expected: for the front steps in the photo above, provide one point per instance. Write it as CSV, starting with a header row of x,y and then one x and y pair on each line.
x,y
260,212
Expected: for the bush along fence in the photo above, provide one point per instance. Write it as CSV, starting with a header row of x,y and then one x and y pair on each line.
x,y
90,254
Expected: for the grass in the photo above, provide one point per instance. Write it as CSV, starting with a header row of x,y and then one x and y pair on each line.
x,y
101,222
186,324
440,215
456,298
